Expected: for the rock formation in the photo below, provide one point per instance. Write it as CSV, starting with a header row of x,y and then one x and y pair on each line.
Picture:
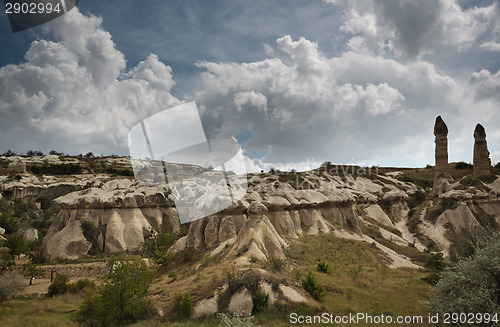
x,y
441,134
482,162
17,167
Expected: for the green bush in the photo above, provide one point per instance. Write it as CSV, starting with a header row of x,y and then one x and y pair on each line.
x,y
59,285
310,284
322,266
276,265
235,320
432,279
416,199
435,261
463,165
16,245
184,305
81,285
172,274
260,300
57,169
472,284
11,283
8,222
122,299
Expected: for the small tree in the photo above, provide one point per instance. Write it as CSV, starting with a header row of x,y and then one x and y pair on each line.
x,y
10,284
184,305
16,245
472,284
32,271
59,285
8,222
310,284
322,266
122,299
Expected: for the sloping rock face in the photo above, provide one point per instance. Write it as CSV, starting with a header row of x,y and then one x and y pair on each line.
x,y
117,215
482,162
111,219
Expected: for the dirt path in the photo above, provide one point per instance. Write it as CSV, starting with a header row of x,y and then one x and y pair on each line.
x,y
74,271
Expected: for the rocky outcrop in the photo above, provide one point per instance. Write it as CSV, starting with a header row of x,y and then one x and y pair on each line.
x,y
17,167
441,150
482,162
241,302
441,173
30,235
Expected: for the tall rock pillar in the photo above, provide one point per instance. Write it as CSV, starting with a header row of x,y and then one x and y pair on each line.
x,y
441,134
482,162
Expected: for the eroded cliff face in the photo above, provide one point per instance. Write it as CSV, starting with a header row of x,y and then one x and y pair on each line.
x,y
119,214
114,215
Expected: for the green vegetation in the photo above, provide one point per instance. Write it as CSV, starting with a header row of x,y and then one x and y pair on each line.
x,y
416,199
235,320
486,220
463,165
184,305
310,284
260,300
158,243
358,279
59,285
471,284
276,265
8,222
322,266
437,210
10,284
122,298
435,261
57,169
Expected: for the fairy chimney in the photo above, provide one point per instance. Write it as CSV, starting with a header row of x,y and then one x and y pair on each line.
x,y
482,162
441,134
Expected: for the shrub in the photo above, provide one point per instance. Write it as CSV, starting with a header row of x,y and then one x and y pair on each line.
x,y
9,153
16,245
322,266
463,165
310,284
81,285
59,285
260,299
11,283
8,222
172,274
416,199
57,169
184,305
432,279
122,299
235,320
497,165
276,265
472,284
435,261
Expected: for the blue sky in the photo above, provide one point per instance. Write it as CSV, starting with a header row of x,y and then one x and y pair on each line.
x,y
349,81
